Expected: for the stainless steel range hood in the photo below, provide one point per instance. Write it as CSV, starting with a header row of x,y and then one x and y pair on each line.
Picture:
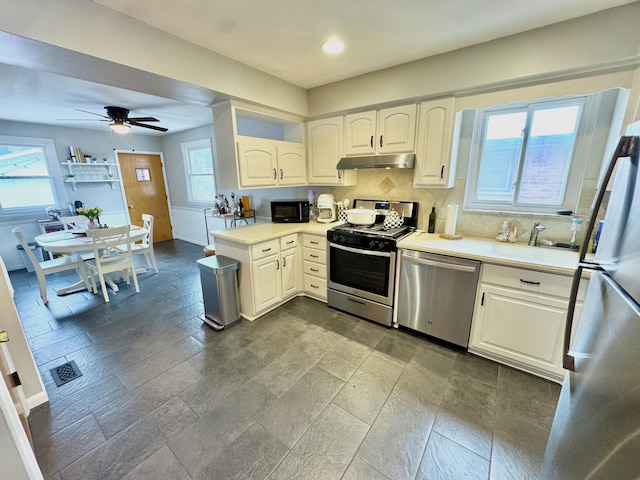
x,y
403,160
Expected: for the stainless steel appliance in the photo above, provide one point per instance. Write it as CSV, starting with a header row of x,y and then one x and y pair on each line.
x,y
362,261
290,211
596,429
437,294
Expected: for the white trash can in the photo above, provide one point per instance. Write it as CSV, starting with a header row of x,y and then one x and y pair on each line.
x,y
219,280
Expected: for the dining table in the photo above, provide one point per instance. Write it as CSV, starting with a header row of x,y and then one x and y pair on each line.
x,y
76,241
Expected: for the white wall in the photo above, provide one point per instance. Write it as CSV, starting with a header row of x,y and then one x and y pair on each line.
x,y
566,50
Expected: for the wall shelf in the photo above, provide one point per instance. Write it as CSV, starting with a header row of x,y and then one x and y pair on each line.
x,y
90,173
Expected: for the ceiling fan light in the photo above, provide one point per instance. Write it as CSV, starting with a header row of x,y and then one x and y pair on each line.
x,y
119,127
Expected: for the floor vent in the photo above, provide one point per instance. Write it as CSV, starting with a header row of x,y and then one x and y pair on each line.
x,y
65,373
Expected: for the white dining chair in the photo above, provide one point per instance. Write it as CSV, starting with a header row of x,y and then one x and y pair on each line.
x,y
146,246
74,222
44,268
113,253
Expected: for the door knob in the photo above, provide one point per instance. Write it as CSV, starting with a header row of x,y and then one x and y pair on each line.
x,y
130,206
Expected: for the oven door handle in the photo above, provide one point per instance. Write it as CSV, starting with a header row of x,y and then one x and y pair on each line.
x,y
431,263
360,251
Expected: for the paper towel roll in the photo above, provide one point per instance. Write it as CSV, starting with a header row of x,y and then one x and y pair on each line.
x,y
452,218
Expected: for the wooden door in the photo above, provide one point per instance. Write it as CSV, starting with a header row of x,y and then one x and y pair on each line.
x,y
143,183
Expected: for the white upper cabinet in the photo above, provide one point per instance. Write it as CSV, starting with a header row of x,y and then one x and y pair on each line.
x,y
326,146
435,166
257,149
390,130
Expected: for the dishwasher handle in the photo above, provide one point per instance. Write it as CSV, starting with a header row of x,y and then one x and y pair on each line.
x,y
433,263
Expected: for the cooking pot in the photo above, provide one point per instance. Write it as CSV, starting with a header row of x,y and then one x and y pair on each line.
x,y
361,216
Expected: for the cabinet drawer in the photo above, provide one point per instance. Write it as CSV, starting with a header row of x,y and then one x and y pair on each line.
x,y
315,241
315,269
289,241
527,280
316,286
265,249
315,255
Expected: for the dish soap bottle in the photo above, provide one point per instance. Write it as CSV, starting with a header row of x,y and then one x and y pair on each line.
x,y
432,220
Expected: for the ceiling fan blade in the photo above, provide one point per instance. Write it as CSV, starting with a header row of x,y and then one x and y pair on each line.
x,y
81,120
143,119
92,113
152,127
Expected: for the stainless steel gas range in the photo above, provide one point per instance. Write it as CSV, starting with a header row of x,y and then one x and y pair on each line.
x,y
362,259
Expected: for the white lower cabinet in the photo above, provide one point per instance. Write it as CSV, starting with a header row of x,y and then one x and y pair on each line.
x,y
270,272
519,319
315,266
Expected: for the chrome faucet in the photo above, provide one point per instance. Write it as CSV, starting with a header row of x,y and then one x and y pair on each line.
x,y
535,231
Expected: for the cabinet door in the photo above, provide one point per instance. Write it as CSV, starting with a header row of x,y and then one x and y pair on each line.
x,y
292,164
396,129
434,167
360,133
290,272
257,162
325,141
526,328
267,284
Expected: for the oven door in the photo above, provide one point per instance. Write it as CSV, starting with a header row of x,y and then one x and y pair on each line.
x,y
365,273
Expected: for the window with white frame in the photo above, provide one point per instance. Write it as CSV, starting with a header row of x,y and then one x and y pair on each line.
x,y
530,158
26,180
198,161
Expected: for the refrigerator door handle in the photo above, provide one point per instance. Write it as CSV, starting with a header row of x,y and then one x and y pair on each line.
x,y
568,360
627,147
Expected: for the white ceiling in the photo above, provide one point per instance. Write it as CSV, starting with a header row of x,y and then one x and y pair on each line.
x,y
283,38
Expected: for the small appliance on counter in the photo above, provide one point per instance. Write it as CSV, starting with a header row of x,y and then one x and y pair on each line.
x,y
290,211
326,208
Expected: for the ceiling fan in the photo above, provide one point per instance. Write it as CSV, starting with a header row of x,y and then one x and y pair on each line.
x,y
120,120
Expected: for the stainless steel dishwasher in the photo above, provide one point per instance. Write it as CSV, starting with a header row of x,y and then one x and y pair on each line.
x,y
436,295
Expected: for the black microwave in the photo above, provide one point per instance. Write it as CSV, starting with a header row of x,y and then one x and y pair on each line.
x,y
289,211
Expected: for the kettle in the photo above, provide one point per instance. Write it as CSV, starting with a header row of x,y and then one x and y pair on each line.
x,y
393,220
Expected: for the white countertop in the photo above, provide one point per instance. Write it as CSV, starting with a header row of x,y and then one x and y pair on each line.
x,y
261,232
487,250
518,255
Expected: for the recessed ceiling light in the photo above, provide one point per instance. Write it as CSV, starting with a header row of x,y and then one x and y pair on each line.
x,y
333,46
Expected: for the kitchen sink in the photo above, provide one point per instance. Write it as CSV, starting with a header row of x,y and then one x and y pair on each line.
x,y
534,254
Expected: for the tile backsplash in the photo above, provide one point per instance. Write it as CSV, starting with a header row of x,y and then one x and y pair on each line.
x,y
398,185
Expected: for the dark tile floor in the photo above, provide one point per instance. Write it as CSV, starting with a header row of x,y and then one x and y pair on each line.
x,y
305,392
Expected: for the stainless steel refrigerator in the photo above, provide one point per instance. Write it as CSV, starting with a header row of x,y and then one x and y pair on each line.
x,y
596,429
